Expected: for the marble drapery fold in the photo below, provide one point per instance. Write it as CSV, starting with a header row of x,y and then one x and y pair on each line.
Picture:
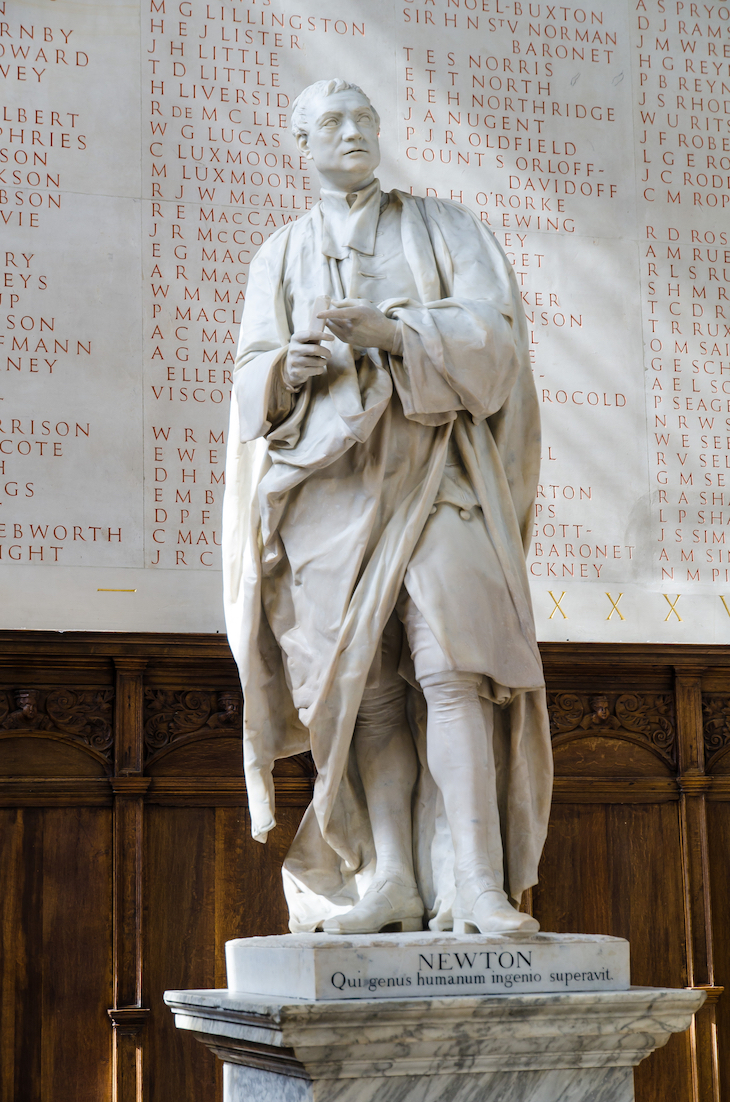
x,y
328,499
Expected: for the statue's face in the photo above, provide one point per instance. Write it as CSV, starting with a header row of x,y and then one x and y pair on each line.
x,y
229,702
601,707
27,704
342,140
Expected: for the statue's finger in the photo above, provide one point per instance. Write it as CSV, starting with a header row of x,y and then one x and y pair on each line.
x,y
313,358
310,336
342,325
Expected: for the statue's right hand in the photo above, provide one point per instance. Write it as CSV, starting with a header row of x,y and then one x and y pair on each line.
x,y
306,357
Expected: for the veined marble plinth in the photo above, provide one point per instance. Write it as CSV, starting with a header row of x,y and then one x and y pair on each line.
x,y
388,966
577,1047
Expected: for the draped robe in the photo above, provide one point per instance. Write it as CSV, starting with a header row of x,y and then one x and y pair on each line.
x,y
327,513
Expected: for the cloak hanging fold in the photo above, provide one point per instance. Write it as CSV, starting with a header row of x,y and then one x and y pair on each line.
x,y
321,526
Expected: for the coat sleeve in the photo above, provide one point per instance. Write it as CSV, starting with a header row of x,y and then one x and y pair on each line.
x,y
459,351
263,401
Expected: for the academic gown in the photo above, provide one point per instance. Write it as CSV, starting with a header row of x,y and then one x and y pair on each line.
x,y
328,513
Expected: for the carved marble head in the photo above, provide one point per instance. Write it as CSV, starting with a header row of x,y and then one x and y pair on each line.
x,y
336,127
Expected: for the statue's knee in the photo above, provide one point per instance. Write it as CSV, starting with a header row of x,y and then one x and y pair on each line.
x,y
381,709
450,688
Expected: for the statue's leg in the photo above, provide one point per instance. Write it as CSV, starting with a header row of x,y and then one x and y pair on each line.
x,y
460,750
386,760
388,767
461,760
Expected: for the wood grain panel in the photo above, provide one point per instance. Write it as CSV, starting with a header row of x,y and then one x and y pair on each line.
x,y
638,846
199,755
21,867
179,941
719,853
249,895
56,961
41,755
76,952
208,881
612,756
612,869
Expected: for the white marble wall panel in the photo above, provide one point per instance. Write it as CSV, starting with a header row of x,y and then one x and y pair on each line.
x,y
70,389
145,155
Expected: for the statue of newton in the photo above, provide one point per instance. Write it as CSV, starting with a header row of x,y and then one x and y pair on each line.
x,y
382,465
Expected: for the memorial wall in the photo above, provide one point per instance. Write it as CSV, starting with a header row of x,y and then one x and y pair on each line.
x,y
145,155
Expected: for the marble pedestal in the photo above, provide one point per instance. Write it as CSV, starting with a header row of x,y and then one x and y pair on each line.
x,y
576,1047
387,966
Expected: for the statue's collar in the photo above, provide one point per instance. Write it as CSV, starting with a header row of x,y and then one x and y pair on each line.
x,y
350,220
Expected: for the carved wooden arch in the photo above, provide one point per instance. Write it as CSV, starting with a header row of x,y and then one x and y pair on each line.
x,y
177,718
52,735
646,720
81,718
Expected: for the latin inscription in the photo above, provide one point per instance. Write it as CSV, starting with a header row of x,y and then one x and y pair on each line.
x,y
501,970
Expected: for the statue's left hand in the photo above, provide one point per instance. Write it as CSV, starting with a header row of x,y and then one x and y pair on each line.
x,y
355,321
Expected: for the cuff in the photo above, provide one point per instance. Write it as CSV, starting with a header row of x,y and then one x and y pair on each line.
x,y
397,349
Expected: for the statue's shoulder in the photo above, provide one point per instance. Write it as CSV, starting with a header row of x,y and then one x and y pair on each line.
x,y
277,244
446,213
459,230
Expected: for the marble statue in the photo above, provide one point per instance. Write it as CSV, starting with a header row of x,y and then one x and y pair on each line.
x,y
382,464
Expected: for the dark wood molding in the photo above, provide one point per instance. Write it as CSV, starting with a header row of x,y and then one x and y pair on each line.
x,y
128,720
55,792
694,785
93,651
129,787
615,790
713,993
129,1019
224,791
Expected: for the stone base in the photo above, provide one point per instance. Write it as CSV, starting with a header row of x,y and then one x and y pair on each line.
x,y
423,965
577,1047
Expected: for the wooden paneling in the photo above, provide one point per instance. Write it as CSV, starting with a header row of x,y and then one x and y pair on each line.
x,y
127,860
56,964
719,847
616,869
207,883
179,938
